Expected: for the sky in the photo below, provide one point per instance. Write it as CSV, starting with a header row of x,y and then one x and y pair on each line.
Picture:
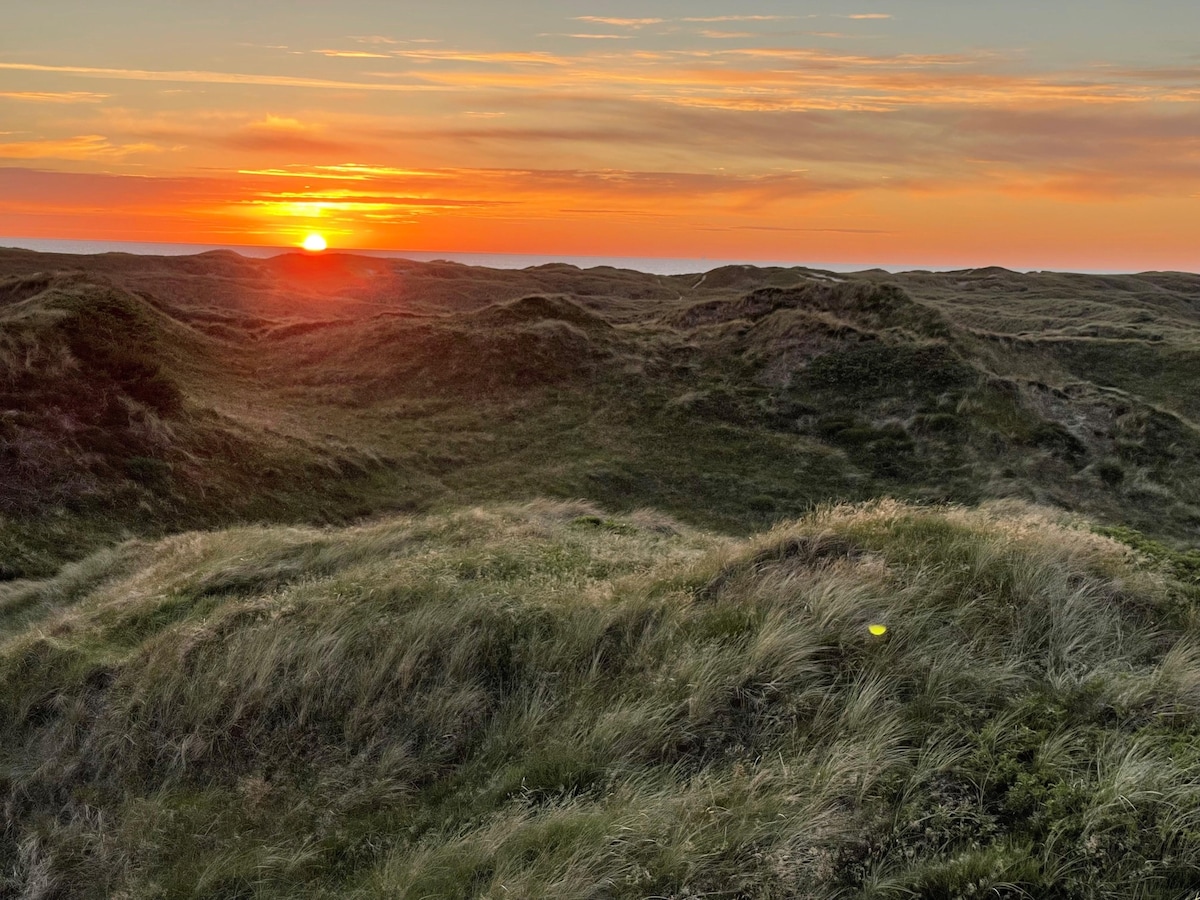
x,y
945,133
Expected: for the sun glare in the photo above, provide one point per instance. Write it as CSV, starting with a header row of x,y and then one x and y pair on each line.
x,y
314,243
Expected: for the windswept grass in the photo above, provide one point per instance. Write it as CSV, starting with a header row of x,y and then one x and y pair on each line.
x,y
548,701
561,699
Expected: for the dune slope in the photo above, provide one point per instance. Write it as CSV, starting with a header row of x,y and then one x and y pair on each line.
x,y
139,396
545,701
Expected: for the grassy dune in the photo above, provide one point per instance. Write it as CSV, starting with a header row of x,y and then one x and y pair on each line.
x,y
296,599
141,396
546,701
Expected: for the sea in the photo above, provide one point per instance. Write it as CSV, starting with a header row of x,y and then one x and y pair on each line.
x,y
652,265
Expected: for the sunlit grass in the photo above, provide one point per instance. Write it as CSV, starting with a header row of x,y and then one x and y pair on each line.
x,y
549,701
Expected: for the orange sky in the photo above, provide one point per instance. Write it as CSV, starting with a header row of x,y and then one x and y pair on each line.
x,y
892,132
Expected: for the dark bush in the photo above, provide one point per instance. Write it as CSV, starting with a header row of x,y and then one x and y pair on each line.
x,y
1058,440
158,392
938,423
1110,471
148,472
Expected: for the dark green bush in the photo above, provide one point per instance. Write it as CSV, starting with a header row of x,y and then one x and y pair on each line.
x,y
148,472
1110,471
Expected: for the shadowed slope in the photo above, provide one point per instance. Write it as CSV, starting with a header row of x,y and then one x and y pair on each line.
x,y
148,394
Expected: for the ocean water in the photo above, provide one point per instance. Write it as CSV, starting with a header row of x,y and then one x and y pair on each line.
x,y
649,264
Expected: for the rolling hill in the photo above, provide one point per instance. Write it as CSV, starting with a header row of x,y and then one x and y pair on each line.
x,y
141,395
337,576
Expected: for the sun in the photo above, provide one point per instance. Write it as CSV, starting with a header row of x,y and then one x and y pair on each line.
x,y
314,243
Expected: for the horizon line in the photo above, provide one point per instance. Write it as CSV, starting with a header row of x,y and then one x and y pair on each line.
x,y
75,247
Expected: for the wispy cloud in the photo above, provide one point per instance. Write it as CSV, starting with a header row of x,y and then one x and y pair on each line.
x,y
378,39
627,23
592,37
353,54
206,77
503,57
345,172
80,147
54,96
664,116
395,196
281,134
738,18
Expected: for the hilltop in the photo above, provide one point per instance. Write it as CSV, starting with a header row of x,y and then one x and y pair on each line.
x,y
347,577
547,701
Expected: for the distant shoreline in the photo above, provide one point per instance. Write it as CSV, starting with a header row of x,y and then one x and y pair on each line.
x,y
647,264
650,265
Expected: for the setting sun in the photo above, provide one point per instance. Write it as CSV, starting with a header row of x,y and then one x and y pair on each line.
x,y
314,243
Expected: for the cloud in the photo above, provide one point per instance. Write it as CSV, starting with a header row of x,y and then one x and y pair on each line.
x,y
890,179
818,57
806,78
200,205
54,96
927,119
861,122
48,192
218,78
351,200
595,37
345,172
737,18
530,57
283,135
627,23
747,78
869,16
353,54
784,228
80,147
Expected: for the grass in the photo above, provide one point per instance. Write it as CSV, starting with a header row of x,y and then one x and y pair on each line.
x,y
295,599
141,397
550,701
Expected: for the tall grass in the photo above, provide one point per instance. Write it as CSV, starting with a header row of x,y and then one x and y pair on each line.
x,y
544,701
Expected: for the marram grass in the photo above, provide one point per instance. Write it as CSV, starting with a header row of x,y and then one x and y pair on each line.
x,y
544,701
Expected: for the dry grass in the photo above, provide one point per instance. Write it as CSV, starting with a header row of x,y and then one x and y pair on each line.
x,y
545,701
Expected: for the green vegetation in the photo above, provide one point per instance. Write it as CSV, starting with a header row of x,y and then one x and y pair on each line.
x,y
142,396
297,599
547,701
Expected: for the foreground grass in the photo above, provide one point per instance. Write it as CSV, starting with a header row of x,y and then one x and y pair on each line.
x,y
542,701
